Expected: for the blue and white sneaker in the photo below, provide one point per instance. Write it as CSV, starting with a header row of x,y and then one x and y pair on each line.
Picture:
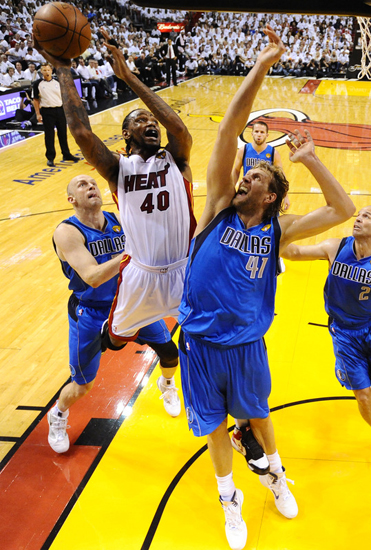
x,y
283,497
235,527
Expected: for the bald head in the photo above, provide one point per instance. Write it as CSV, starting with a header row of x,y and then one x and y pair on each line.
x,y
72,186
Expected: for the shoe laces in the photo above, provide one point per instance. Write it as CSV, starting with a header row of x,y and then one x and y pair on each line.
x,y
59,425
232,514
280,483
170,395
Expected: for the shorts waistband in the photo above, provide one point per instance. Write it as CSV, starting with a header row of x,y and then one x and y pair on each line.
x,y
160,268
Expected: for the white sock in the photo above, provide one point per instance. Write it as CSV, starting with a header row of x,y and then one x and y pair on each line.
x,y
275,463
167,381
58,412
226,487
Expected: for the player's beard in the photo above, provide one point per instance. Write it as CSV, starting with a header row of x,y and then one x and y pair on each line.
x,y
250,204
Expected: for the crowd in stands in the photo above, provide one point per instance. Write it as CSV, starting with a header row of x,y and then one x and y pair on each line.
x,y
210,43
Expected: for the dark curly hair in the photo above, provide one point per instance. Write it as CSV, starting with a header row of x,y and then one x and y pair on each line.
x,y
125,125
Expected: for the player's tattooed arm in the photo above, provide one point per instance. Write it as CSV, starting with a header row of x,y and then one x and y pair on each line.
x,y
180,140
94,150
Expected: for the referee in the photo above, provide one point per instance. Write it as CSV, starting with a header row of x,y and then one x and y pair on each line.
x,y
47,100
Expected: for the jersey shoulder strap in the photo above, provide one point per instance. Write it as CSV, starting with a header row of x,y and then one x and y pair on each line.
x,y
341,246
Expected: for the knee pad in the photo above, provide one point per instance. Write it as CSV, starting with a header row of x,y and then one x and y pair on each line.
x,y
106,340
168,354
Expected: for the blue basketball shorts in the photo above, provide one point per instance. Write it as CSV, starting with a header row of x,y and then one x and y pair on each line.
x,y
85,341
352,350
219,381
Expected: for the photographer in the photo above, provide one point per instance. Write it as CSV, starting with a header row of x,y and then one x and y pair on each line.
x,y
21,115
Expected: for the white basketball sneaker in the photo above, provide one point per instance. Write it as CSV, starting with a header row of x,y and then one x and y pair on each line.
x,y
169,393
58,438
235,527
283,498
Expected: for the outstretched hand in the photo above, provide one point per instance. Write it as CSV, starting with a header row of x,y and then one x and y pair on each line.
x,y
273,51
55,61
300,146
117,59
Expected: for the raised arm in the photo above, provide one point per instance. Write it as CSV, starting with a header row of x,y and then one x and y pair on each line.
x,y
180,140
71,248
94,150
237,165
220,186
339,206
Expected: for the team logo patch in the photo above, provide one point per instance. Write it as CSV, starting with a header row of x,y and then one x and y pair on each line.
x,y
161,154
189,414
268,155
340,374
266,227
116,229
73,371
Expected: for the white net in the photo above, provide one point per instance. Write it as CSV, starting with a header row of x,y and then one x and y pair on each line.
x,y
365,28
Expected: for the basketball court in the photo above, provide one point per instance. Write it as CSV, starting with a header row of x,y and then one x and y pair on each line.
x,y
135,478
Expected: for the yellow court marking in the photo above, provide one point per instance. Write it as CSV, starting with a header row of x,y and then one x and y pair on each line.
x,y
348,88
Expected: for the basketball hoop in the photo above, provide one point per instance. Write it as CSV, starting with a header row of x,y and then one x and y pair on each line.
x,y
365,28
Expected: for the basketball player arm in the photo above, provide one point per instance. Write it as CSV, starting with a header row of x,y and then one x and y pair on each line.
x,y
338,208
325,250
237,165
94,150
180,140
71,248
220,183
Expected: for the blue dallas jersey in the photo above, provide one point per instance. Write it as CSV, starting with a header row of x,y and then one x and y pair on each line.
x,y
251,157
230,281
347,288
103,245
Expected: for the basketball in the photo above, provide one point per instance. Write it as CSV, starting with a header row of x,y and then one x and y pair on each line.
x,y
61,30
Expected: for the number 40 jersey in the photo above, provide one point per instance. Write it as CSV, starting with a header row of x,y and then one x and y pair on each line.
x,y
155,203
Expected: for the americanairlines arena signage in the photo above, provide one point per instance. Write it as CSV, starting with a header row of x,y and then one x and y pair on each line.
x,y
325,134
170,27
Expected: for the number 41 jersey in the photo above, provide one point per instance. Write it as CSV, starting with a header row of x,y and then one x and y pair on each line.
x,y
230,281
155,204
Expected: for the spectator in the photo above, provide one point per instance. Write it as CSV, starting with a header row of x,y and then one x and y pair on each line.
x,y
31,73
9,79
96,75
132,66
19,73
144,67
191,67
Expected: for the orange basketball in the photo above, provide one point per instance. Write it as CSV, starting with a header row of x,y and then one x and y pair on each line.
x,y
61,30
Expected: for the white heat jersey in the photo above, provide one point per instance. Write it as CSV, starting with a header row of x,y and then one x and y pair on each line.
x,y
155,206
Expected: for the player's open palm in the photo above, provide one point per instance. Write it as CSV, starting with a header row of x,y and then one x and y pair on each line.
x,y
271,53
300,146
